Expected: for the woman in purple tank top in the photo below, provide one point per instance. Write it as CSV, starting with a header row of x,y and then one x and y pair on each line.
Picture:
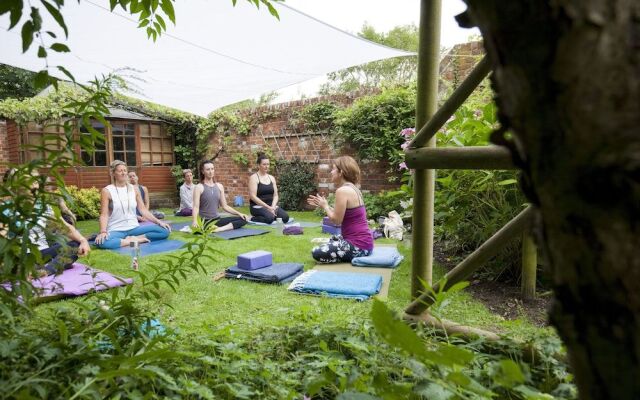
x,y
349,212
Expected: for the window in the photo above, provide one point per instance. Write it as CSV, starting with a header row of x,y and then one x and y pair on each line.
x,y
123,139
99,157
156,145
38,140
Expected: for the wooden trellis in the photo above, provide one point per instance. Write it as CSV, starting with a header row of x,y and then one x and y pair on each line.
x,y
424,157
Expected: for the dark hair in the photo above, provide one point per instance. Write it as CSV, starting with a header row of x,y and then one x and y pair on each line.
x,y
201,169
261,156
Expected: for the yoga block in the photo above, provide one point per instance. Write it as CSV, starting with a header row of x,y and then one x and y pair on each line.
x,y
327,221
254,260
331,229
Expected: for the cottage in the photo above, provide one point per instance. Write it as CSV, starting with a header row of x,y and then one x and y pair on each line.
x,y
144,143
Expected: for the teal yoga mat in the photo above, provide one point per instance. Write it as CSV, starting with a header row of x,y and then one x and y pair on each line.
x,y
160,246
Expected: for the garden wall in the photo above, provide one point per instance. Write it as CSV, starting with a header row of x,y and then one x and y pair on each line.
x,y
274,130
4,150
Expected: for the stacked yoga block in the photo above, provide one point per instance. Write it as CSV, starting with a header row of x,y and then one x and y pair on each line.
x,y
329,227
254,260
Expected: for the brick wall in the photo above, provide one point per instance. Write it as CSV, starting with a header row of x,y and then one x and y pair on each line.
x,y
272,129
459,61
4,150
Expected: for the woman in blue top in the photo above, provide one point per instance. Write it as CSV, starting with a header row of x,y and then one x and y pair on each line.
x,y
263,195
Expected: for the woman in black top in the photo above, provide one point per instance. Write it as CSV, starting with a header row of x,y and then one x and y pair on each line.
x,y
263,195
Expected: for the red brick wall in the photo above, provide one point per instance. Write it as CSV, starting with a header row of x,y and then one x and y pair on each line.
x,y
456,65
4,147
272,130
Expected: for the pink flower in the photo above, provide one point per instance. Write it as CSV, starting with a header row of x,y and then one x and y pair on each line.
x,y
402,165
408,132
404,146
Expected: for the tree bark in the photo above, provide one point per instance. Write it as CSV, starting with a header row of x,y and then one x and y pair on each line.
x,y
567,78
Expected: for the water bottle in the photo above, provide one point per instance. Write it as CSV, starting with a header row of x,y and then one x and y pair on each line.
x,y
135,254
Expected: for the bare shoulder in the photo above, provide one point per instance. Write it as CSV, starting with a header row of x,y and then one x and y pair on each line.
x,y
219,185
273,178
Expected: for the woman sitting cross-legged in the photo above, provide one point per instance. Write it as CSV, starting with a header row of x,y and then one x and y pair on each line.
x,y
208,196
118,221
263,195
349,212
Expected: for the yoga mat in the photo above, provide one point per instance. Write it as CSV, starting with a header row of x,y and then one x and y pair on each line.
x,y
275,273
239,233
337,284
77,281
346,267
159,246
176,226
302,224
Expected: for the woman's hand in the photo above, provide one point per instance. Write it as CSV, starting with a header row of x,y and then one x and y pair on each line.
x,y
102,236
165,225
272,210
244,217
318,201
83,248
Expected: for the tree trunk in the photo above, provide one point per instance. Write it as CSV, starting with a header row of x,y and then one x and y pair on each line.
x,y
567,75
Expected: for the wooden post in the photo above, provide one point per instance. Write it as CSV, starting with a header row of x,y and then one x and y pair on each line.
x,y
424,180
468,157
529,266
475,260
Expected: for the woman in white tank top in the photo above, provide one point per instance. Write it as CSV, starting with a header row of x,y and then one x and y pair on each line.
x,y
118,221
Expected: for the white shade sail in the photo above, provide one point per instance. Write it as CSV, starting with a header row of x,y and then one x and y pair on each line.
x,y
216,54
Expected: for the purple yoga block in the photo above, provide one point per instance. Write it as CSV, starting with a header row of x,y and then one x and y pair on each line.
x,y
254,260
331,229
327,221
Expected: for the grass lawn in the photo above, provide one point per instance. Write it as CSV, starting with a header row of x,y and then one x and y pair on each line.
x,y
201,305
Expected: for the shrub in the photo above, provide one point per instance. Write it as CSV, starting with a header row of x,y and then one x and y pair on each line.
x,y
372,123
295,182
379,205
85,203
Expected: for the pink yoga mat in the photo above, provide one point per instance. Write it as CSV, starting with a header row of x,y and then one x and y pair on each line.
x,y
77,281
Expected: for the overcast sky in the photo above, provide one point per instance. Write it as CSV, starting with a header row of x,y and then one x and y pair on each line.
x,y
383,15
350,15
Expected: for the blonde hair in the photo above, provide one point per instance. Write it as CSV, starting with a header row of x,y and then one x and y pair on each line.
x,y
349,168
112,167
184,171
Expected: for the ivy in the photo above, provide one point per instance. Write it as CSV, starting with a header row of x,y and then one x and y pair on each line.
x,y
372,123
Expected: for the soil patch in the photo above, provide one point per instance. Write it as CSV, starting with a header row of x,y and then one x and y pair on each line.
x,y
502,298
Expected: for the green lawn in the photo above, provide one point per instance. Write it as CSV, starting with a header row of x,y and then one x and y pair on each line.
x,y
200,304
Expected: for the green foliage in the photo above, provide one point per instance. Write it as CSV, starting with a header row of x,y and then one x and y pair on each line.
x,y
316,116
372,123
240,158
478,370
16,83
378,74
471,206
84,203
380,204
295,182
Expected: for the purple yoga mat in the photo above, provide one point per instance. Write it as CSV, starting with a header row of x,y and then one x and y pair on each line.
x,y
77,281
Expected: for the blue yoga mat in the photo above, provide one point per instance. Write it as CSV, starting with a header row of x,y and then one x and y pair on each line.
x,y
239,233
176,226
302,224
160,246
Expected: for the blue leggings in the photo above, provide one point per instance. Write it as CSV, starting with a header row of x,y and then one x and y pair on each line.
x,y
152,232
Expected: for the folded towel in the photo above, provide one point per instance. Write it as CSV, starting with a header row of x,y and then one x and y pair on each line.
x,y
276,273
337,284
379,257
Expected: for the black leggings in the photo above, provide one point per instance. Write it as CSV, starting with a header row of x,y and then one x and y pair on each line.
x,y
266,217
59,258
235,220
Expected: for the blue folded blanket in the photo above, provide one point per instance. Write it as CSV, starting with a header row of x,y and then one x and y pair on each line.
x,y
347,285
379,257
275,273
